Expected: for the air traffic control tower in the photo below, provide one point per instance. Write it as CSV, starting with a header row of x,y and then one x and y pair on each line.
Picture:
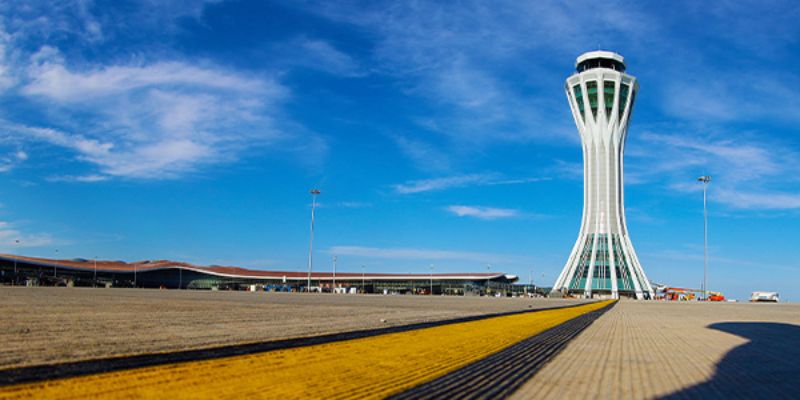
x,y
603,262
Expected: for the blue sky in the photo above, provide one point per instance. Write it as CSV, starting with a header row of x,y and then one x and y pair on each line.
x,y
438,134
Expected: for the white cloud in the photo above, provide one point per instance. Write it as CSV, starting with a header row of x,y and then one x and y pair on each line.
x,y
758,200
428,185
733,95
323,55
488,213
745,168
354,204
142,116
81,20
415,254
435,184
54,81
153,121
78,178
459,57
743,159
12,238
8,162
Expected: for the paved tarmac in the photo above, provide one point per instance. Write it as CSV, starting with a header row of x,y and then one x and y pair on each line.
x,y
635,350
642,350
372,367
47,325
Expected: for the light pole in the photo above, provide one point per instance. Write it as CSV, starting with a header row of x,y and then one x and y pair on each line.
x,y
705,179
134,274
314,193
531,283
55,265
488,278
16,244
94,284
431,279
333,285
363,281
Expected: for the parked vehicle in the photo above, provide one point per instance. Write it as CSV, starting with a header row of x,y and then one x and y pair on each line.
x,y
768,297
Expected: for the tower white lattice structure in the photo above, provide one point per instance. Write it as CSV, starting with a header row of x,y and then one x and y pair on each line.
x,y
603,262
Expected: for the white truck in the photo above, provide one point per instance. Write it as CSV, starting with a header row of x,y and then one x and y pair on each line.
x,y
769,297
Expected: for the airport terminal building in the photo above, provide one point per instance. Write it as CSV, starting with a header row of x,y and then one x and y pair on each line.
x,y
33,271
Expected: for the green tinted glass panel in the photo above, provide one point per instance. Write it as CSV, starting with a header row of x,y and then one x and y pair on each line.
x,y
608,97
623,99
591,91
579,98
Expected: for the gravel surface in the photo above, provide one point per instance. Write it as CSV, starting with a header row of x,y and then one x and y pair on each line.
x,y
643,350
50,325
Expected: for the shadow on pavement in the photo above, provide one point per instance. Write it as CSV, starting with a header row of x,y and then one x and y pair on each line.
x,y
766,367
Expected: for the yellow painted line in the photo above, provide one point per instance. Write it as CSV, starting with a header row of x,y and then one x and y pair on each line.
x,y
372,367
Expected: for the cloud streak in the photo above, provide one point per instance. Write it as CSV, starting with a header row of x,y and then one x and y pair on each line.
x,y
12,238
322,55
10,161
485,213
743,168
55,81
459,181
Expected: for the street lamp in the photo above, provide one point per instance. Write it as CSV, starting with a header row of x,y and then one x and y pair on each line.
x,y
55,265
363,281
314,193
333,286
95,272
488,278
16,245
531,283
705,179
431,279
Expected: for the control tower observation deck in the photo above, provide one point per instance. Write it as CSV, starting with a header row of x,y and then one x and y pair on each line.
x,y
600,59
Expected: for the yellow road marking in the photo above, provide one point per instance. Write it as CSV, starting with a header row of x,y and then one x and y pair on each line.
x,y
372,367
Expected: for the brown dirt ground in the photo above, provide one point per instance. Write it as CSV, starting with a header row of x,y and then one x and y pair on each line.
x,y
51,325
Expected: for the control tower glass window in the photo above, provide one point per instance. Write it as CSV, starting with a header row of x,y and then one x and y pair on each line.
x,y
600,63
579,99
608,96
623,99
591,91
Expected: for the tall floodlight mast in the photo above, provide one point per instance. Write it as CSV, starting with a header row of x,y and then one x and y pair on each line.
x,y
603,262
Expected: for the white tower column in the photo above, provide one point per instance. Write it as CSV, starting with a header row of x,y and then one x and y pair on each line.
x,y
603,261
